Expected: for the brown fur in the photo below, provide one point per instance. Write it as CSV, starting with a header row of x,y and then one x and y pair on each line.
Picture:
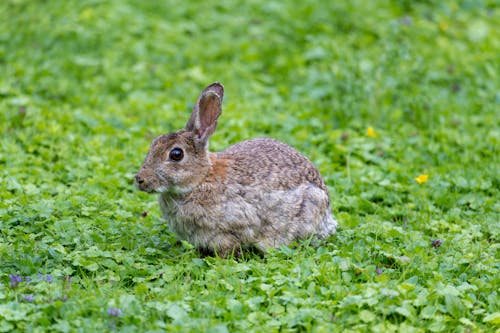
x,y
218,169
258,193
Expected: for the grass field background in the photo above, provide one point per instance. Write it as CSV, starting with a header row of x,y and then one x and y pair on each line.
x,y
376,93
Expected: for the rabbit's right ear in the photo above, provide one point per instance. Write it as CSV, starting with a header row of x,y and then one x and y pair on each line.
x,y
206,111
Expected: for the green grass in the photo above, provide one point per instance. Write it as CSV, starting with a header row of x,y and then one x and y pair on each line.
x,y
85,85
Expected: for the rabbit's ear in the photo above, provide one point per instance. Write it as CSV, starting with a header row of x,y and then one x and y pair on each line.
x,y
206,111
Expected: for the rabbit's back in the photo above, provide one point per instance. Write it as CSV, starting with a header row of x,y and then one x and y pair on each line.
x,y
268,163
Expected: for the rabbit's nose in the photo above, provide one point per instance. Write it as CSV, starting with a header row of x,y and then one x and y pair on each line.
x,y
139,179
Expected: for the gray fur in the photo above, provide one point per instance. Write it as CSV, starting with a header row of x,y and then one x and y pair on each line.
x,y
258,193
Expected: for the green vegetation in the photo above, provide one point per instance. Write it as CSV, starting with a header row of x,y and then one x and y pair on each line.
x,y
85,85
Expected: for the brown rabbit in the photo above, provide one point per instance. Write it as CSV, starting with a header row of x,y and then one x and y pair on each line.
x,y
257,193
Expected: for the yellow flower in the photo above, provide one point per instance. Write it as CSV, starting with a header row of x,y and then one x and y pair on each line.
x,y
371,132
86,14
443,26
422,178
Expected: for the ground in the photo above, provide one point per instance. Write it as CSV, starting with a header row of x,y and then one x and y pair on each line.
x,y
396,102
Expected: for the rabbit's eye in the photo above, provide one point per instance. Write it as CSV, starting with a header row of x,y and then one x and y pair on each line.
x,y
176,154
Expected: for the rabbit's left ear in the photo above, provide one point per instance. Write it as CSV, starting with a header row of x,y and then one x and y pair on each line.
x,y
206,111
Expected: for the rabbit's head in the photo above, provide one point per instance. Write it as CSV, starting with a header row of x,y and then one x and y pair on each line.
x,y
178,161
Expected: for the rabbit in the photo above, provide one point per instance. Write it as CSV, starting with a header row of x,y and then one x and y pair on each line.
x,y
259,193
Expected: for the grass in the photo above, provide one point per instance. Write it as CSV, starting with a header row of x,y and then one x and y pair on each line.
x,y
85,85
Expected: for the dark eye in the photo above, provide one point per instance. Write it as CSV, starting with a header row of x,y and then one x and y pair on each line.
x,y
176,154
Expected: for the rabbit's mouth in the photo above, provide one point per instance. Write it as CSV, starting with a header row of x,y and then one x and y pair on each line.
x,y
144,185
149,187
146,189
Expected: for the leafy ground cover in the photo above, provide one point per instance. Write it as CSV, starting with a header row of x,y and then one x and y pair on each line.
x,y
396,102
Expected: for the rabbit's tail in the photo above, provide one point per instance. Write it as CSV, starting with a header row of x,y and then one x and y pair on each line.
x,y
328,225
